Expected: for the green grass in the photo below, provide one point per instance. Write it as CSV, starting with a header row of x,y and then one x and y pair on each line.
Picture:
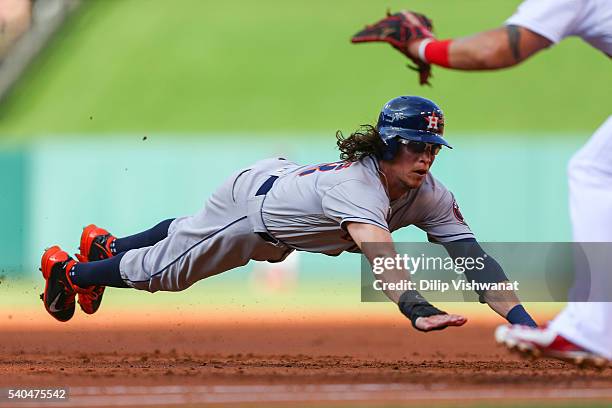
x,y
235,293
191,66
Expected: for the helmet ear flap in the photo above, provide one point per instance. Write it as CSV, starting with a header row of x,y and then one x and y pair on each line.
x,y
391,149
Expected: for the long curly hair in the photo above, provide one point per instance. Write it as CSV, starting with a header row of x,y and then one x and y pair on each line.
x,y
365,141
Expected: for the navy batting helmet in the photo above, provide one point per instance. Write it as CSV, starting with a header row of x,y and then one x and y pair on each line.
x,y
410,118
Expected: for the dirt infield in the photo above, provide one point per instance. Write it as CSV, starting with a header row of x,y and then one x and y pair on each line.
x,y
386,353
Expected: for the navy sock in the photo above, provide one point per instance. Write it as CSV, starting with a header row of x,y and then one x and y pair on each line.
x,y
518,315
99,273
142,239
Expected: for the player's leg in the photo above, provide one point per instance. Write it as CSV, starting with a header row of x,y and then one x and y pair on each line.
x,y
104,253
581,333
197,248
218,238
590,189
63,282
173,264
97,244
67,278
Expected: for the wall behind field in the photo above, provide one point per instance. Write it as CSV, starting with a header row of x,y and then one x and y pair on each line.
x,y
507,191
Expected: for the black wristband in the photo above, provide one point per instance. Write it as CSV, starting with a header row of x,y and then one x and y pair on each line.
x,y
413,305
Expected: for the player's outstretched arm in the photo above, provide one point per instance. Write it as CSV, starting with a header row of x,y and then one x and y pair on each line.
x,y
421,313
504,302
500,48
410,33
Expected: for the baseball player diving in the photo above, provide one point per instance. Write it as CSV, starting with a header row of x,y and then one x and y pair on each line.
x,y
267,210
582,332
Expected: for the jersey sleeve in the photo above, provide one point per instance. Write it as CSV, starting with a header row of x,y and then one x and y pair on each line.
x,y
444,221
552,19
354,201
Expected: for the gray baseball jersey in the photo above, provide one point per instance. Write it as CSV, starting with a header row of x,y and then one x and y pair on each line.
x,y
309,207
301,208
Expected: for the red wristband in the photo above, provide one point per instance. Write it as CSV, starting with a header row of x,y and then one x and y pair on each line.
x,y
436,52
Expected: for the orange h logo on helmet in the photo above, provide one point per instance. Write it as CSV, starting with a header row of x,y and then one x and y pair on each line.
x,y
432,121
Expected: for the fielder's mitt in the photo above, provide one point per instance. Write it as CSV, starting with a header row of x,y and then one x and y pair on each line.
x,y
398,30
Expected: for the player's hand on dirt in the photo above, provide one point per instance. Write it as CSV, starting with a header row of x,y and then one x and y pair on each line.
x,y
401,30
439,322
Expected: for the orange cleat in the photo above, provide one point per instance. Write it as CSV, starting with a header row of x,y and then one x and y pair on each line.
x,y
59,293
95,246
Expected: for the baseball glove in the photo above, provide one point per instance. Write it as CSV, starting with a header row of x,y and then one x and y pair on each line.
x,y
398,30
